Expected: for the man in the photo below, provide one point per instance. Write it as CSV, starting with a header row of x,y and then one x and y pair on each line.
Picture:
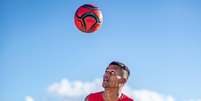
x,y
115,77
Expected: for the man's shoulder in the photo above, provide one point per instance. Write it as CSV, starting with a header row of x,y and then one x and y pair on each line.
x,y
126,98
94,96
96,93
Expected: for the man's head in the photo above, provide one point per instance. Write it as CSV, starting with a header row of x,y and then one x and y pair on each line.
x,y
116,75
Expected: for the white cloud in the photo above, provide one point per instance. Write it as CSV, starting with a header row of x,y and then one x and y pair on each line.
x,y
74,88
147,95
78,89
29,98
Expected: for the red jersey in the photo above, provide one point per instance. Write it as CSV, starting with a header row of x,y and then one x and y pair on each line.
x,y
98,97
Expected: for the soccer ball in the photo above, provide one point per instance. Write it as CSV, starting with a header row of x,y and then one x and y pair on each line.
x,y
88,18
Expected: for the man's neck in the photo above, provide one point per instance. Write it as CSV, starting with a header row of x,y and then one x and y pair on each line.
x,y
111,94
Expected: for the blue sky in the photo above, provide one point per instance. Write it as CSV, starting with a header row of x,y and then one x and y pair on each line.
x,y
159,40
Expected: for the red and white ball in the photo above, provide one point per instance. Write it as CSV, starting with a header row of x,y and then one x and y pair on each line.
x,y
88,18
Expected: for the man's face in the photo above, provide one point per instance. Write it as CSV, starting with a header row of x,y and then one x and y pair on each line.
x,y
112,77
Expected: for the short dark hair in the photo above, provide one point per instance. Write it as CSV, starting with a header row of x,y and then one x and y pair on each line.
x,y
122,66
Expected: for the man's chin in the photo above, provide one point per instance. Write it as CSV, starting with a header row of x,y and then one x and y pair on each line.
x,y
104,85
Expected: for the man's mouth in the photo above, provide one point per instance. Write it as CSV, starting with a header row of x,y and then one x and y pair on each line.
x,y
105,79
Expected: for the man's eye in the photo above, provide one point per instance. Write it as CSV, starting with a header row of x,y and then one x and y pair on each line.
x,y
112,72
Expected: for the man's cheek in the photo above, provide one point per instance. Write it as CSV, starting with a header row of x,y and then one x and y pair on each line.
x,y
113,81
